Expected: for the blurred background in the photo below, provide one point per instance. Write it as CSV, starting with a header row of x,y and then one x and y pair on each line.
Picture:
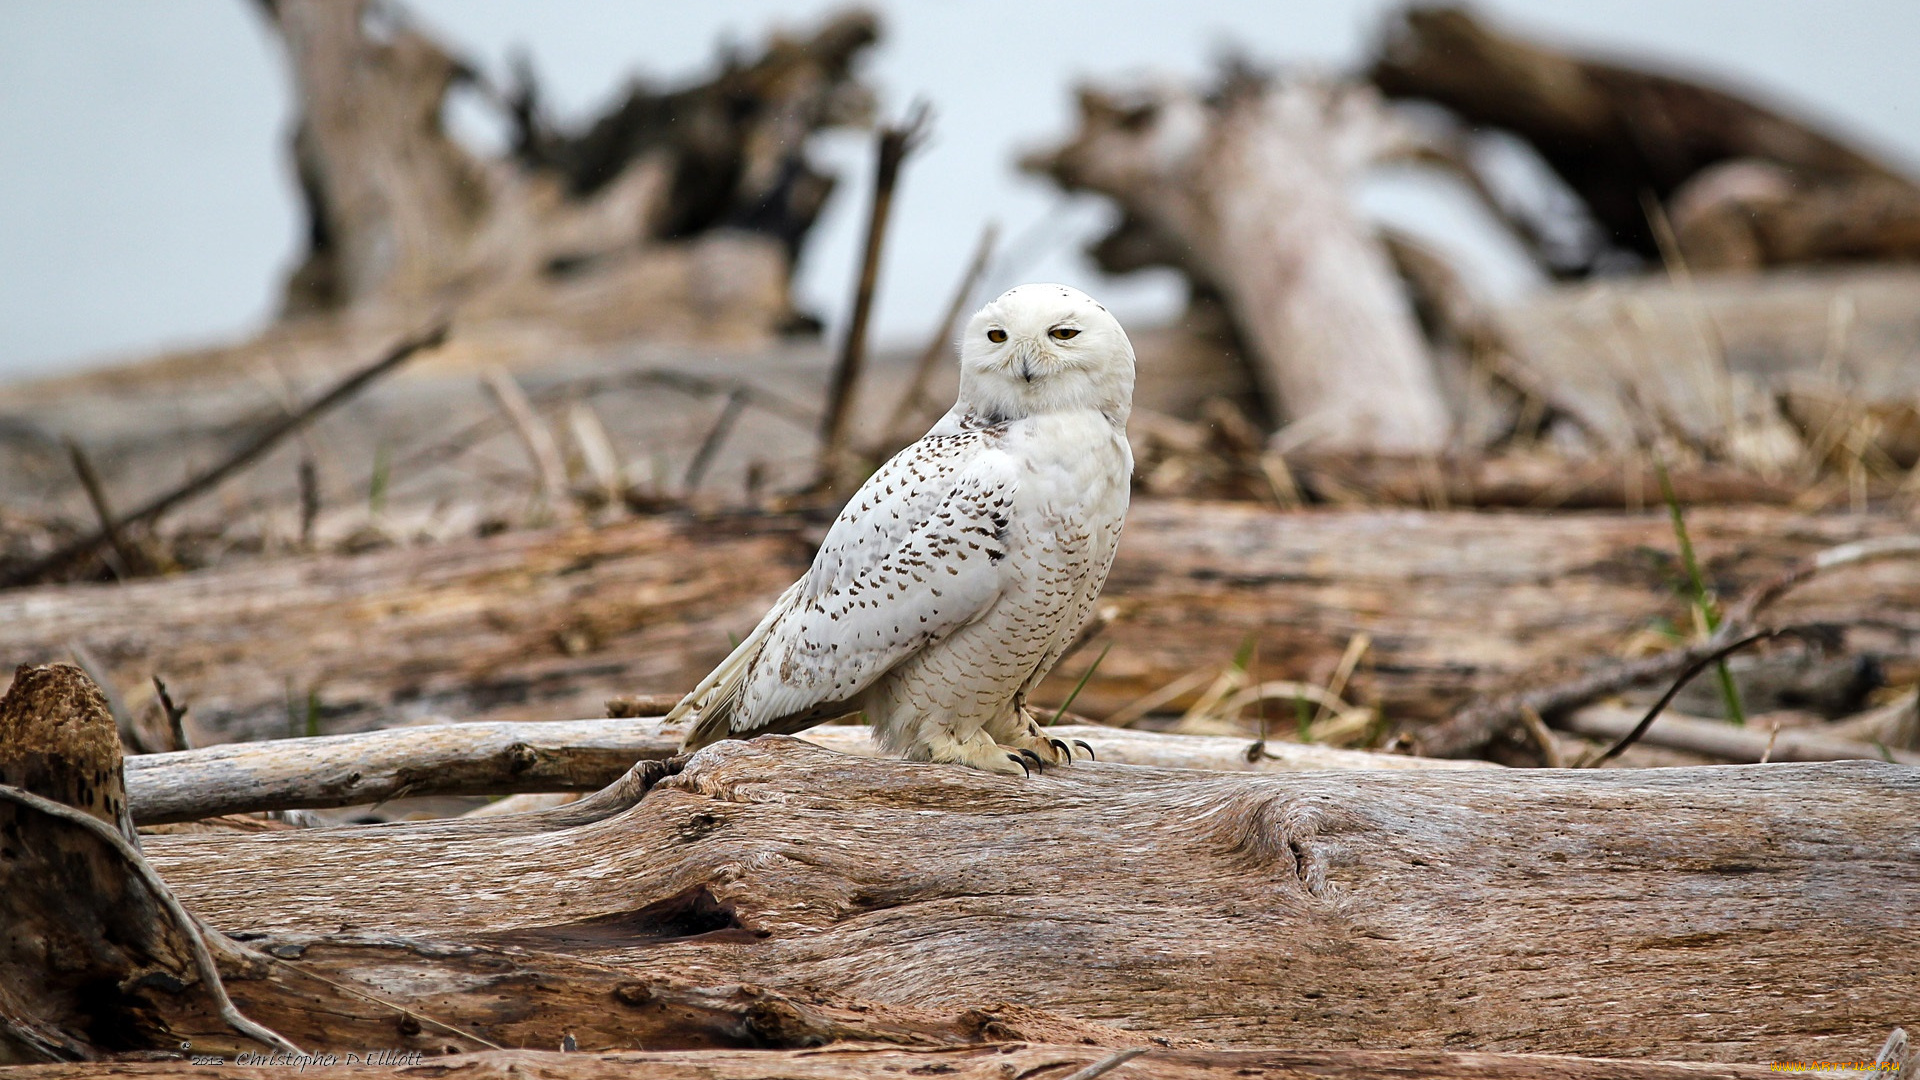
x,y
401,361
146,198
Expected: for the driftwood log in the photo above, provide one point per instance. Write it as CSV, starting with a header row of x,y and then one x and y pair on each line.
x,y
1247,190
584,755
775,894
1428,910
1617,133
547,625
400,212
995,1061
1722,740
1748,214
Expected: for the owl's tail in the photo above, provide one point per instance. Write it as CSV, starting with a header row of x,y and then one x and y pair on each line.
x,y
716,701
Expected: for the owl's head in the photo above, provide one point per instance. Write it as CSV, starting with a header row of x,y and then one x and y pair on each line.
x,y
1045,348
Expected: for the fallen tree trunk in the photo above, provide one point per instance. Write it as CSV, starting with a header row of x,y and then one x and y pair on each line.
x,y
581,755
1691,913
1614,133
548,625
774,894
1722,740
1247,190
991,1062
1747,215
1542,482
399,212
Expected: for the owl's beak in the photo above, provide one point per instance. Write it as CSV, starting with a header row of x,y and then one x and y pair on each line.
x,y
1026,370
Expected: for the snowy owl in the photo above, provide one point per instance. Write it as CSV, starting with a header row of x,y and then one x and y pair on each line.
x,y
962,569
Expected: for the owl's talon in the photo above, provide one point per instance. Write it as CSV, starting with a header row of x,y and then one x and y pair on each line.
x,y
1066,752
1021,761
1082,745
1039,762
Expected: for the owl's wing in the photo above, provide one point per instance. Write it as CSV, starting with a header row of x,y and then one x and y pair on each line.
x,y
915,555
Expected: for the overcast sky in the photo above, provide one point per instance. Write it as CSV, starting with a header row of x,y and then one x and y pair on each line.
x,y
145,202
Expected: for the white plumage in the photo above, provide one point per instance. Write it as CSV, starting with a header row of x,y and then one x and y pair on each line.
x,y
959,572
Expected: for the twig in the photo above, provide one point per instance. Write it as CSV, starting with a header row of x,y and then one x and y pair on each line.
x,y
196,939
1719,653
1127,714
715,438
596,449
176,715
254,448
1859,551
309,500
550,473
913,397
97,496
130,736
1356,648
1549,750
1106,1064
895,143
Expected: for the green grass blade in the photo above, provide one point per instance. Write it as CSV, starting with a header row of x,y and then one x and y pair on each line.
x,y
1081,685
1702,599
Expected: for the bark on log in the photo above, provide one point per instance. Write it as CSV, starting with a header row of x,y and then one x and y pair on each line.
x,y
581,755
990,1062
1726,903
1612,132
1248,191
548,625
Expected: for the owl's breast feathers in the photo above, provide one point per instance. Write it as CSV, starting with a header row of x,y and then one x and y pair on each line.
x,y
1020,516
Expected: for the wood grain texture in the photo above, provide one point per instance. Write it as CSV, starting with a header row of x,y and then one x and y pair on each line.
x,y
1701,914
547,625
990,1062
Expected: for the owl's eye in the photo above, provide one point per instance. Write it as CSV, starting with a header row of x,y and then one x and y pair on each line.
x,y
996,335
1062,333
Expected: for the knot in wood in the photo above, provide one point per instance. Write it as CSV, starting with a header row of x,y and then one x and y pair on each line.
x,y
1291,833
520,757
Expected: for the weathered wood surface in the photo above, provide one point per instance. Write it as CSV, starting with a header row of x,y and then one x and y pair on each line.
x,y
990,1062
1247,187
547,625
581,755
1703,914
400,211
